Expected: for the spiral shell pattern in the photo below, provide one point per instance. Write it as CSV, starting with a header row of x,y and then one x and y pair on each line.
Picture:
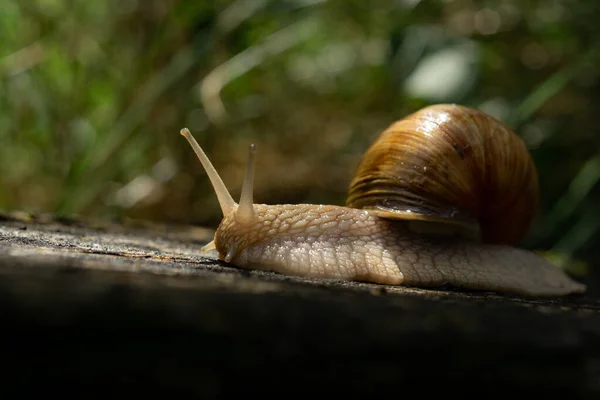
x,y
454,164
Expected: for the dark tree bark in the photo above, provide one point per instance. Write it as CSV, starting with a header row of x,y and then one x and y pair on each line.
x,y
114,309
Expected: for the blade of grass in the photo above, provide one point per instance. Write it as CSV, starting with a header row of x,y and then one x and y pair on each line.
x,y
550,87
85,182
240,64
576,237
580,187
589,174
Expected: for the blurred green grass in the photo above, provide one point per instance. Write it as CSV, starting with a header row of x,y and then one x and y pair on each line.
x,y
94,95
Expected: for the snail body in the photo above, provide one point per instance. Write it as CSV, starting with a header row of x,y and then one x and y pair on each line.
x,y
420,212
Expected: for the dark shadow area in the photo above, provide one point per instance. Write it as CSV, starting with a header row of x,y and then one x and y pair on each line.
x,y
159,319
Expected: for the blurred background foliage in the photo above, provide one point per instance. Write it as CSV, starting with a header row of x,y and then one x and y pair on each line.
x,y
94,94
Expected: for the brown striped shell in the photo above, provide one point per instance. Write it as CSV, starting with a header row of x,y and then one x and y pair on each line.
x,y
450,164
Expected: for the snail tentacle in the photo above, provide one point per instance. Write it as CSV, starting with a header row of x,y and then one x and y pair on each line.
x,y
228,205
245,210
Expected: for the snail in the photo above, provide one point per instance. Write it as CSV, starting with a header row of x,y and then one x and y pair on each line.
x,y
439,199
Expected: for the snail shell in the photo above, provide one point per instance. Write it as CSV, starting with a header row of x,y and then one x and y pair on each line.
x,y
450,164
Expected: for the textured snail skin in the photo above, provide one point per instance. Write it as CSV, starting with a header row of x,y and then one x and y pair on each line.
x,y
323,241
437,199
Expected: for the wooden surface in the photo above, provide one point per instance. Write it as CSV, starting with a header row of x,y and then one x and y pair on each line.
x,y
122,308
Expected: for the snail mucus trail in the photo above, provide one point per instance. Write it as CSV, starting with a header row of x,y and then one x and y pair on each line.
x,y
392,235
